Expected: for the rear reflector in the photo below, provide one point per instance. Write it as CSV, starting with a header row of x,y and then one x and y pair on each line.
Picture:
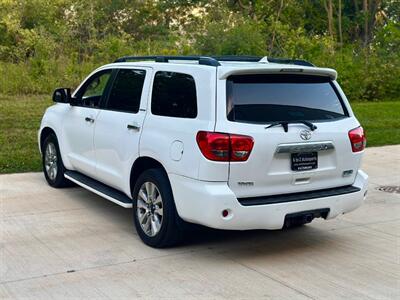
x,y
357,139
224,147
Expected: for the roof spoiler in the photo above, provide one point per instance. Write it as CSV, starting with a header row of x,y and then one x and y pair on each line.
x,y
226,72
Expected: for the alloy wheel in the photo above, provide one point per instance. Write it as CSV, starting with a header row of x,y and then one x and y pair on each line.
x,y
50,161
149,209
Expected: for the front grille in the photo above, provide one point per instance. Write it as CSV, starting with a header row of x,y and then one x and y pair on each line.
x,y
298,196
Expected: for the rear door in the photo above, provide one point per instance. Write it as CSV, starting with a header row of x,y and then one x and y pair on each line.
x,y
119,126
300,159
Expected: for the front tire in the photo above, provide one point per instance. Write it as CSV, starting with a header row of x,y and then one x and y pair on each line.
x,y
154,212
53,167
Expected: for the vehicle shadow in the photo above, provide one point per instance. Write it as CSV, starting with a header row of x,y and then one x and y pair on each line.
x,y
269,241
201,238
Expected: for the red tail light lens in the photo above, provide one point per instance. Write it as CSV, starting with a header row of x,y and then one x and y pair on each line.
x,y
224,147
241,146
357,139
214,146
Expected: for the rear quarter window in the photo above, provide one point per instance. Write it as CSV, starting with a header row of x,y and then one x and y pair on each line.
x,y
174,95
272,98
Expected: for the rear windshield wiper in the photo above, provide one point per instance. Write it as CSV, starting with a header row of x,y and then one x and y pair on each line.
x,y
285,124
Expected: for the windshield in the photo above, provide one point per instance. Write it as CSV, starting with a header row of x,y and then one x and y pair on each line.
x,y
270,98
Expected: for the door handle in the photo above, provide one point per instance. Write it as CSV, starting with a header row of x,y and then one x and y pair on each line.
x,y
133,127
90,120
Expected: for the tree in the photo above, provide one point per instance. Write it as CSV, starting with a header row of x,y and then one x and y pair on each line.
x,y
329,13
340,23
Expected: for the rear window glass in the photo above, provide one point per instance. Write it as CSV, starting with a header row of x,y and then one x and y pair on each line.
x,y
273,98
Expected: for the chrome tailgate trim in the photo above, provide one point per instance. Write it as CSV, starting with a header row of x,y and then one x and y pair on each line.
x,y
305,147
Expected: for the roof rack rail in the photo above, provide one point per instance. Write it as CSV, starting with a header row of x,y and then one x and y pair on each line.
x,y
214,60
242,58
203,60
266,59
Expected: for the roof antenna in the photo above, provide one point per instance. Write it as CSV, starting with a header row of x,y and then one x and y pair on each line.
x,y
264,60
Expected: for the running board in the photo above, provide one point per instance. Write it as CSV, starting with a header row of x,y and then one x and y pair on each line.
x,y
99,188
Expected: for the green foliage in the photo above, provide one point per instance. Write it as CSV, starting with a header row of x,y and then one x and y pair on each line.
x,y
242,39
46,44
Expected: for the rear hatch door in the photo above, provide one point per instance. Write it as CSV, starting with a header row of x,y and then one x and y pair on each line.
x,y
297,158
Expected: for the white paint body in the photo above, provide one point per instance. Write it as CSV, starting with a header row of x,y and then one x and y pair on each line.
x,y
106,151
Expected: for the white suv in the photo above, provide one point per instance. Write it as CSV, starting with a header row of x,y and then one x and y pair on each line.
x,y
226,142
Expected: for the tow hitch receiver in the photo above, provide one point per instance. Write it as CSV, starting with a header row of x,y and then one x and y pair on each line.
x,y
304,217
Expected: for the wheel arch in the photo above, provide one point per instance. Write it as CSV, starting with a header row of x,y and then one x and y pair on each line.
x,y
142,164
44,133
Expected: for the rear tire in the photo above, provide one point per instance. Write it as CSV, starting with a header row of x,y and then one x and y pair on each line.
x,y
154,212
53,167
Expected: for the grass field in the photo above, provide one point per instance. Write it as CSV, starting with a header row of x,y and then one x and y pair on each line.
x,y
20,119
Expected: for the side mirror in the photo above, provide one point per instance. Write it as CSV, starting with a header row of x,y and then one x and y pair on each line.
x,y
62,95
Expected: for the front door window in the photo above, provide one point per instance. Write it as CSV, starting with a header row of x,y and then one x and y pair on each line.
x,y
92,91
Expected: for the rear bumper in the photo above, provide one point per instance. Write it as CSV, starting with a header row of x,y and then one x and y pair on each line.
x,y
203,202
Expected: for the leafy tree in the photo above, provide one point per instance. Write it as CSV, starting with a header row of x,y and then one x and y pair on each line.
x,y
45,43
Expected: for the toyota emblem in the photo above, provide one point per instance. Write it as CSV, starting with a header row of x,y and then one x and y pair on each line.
x,y
305,135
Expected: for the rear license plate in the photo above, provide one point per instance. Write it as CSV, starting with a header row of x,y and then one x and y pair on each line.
x,y
304,161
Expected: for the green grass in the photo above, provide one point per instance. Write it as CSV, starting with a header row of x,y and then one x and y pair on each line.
x,y
20,119
381,121
19,122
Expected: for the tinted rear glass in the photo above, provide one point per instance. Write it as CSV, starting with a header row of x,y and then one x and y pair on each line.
x,y
271,98
174,95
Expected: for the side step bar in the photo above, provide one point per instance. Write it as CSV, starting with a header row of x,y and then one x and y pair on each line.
x,y
99,188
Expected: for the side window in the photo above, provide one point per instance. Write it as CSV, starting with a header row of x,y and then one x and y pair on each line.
x,y
174,95
126,91
92,91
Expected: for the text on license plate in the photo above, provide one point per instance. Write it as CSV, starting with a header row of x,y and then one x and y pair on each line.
x,y
304,161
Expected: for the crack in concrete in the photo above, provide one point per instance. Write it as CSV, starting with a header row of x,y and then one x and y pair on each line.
x,y
97,267
41,213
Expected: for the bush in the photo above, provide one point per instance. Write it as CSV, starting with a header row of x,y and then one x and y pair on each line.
x,y
45,44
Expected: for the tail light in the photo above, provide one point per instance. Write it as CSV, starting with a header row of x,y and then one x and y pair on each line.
x,y
357,139
241,146
214,146
224,147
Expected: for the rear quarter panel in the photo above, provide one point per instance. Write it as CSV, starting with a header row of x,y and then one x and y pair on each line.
x,y
172,141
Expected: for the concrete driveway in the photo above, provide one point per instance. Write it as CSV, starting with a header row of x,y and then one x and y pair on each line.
x,y
70,243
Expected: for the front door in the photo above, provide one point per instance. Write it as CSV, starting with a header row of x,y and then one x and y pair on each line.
x,y
79,123
119,125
